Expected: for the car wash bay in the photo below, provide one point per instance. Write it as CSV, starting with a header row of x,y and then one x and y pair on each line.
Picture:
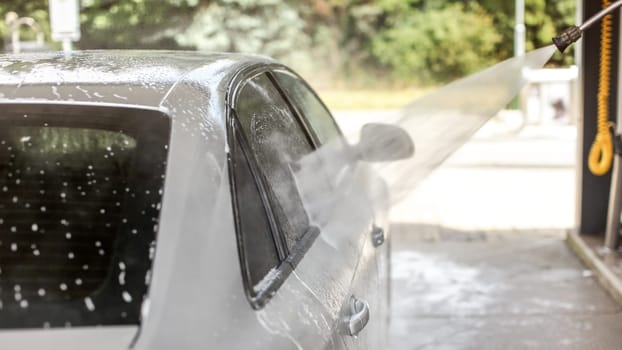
x,y
479,254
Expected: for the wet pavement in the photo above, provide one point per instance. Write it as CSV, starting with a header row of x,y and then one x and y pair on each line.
x,y
496,290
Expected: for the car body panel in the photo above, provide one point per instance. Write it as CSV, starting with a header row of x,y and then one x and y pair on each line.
x,y
196,294
96,338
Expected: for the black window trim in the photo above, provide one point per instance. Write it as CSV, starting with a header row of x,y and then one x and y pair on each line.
x,y
291,259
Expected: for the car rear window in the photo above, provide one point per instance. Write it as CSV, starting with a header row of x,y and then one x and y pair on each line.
x,y
80,197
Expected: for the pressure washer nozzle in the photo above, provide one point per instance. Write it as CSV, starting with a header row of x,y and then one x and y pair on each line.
x,y
569,36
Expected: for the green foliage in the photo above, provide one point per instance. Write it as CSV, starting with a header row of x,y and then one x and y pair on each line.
x,y
412,40
248,26
503,21
437,45
125,24
543,20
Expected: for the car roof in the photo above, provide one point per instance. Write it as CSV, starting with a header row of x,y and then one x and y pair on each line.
x,y
129,77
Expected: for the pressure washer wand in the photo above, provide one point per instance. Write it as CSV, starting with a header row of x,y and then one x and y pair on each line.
x,y
574,33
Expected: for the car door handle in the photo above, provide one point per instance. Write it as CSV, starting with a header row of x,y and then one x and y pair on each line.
x,y
359,316
377,236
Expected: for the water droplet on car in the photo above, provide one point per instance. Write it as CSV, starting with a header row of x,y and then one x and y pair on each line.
x,y
148,277
63,287
34,227
41,292
89,304
151,251
127,297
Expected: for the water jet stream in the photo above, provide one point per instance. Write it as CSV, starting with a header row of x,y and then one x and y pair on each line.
x,y
438,123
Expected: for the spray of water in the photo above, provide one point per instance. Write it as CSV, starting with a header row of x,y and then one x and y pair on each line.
x,y
441,122
437,123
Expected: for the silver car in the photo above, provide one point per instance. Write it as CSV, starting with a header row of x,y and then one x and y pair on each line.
x,y
154,200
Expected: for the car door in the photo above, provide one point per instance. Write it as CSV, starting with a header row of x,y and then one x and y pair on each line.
x,y
349,224
274,231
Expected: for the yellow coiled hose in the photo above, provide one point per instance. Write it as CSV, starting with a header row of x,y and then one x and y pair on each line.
x,y
601,153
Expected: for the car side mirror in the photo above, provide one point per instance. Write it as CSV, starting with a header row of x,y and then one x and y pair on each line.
x,y
384,143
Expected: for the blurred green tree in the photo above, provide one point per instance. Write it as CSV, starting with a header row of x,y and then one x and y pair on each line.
x,y
117,23
434,44
249,26
146,24
543,20
423,39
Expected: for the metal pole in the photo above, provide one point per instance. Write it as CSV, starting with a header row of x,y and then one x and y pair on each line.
x,y
66,45
519,29
15,43
600,15
612,232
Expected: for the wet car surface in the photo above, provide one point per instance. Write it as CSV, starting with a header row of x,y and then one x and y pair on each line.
x,y
149,200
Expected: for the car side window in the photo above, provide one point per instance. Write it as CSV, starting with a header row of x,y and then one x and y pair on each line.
x,y
257,243
277,140
310,106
